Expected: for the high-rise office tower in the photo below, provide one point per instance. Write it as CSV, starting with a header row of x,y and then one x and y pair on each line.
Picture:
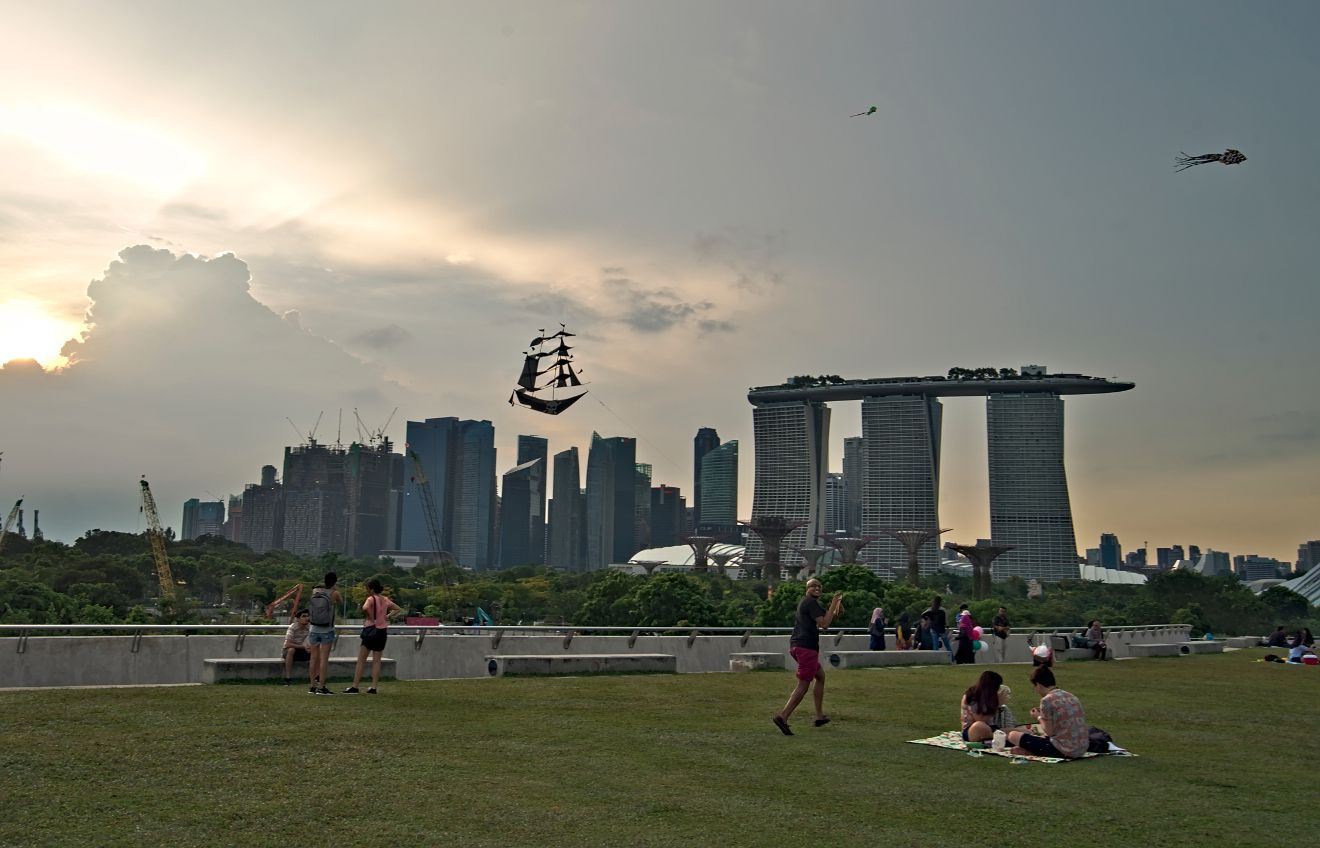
x,y
399,473
458,458
705,441
263,513
719,492
517,515
530,448
611,510
854,471
1193,552
1176,551
792,441
567,514
315,499
836,503
1308,556
1111,552
1029,505
666,516
642,507
474,503
901,477
202,518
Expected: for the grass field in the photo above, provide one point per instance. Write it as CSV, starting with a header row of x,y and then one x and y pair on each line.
x,y
1227,755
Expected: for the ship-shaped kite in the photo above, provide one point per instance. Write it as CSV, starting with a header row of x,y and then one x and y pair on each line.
x,y
559,375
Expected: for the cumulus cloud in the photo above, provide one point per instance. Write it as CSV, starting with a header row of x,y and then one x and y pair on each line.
x,y
183,377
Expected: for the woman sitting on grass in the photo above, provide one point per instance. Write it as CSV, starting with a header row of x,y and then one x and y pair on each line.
x,y
980,706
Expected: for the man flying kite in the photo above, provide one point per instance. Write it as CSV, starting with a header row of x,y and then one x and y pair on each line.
x,y
1228,157
870,111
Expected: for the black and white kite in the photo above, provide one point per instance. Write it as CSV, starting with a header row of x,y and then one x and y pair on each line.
x,y
1228,157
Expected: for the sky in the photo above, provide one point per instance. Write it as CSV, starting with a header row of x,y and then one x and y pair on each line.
x,y
217,216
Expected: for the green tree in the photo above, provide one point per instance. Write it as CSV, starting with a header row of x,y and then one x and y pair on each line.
x,y
672,598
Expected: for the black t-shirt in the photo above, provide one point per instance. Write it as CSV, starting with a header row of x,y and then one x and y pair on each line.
x,y
1000,625
938,620
805,632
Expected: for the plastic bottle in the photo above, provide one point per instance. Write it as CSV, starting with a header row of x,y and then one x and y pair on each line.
x,y
999,741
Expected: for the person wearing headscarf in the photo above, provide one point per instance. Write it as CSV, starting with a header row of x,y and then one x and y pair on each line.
x,y
877,629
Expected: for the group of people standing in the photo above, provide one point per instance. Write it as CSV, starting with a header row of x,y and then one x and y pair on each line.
x,y
932,632
311,635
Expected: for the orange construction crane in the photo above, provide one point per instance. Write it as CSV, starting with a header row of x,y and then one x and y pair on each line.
x,y
156,537
296,592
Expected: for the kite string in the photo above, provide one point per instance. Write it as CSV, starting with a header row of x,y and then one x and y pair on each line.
x,y
652,444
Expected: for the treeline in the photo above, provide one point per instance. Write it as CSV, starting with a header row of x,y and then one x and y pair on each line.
x,y
109,577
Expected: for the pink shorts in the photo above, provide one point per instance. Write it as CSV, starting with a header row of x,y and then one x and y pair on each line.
x,y
808,662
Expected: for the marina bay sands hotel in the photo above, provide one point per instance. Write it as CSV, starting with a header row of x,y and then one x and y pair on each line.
x,y
901,418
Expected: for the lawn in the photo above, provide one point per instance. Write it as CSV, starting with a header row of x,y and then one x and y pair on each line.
x,y
1227,752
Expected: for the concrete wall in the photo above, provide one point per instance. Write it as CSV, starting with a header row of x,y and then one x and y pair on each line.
x,y
162,659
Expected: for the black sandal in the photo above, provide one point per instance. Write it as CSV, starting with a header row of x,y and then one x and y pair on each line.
x,y
821,722
782,725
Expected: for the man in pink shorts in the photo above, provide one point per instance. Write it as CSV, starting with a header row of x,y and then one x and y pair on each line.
x,y
804,646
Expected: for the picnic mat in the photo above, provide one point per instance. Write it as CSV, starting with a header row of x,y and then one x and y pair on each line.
x,y
952,739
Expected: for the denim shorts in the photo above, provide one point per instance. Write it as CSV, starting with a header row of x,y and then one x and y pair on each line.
x,y
321,636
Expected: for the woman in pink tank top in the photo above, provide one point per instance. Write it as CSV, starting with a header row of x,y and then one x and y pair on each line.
x,y
376,609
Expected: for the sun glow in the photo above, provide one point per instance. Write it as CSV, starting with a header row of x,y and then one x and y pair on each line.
x,y
27,331
97,143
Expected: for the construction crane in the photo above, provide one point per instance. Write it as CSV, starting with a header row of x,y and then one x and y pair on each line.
x,y
295,593
428,508
157,539
9,522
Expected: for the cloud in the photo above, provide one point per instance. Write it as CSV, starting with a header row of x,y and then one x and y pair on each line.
x,y
382,338
655,310
751,261
183,377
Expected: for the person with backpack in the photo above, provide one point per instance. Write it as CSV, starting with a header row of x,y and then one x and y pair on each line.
x,y
377,610
321,635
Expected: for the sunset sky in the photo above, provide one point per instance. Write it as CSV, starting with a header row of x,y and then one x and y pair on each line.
x,y
216,215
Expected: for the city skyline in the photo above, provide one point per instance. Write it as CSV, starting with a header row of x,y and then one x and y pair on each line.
x,y
217,221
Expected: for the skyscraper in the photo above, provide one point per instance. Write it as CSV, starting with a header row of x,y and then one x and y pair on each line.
x,y
854,473
458,458
642,507
315,501
836,503
1029,505
1111,552
517,515
611,488
666,516
369,481
719,491
202,518
705,441
530,448
263,513
792,457
901,478
567,514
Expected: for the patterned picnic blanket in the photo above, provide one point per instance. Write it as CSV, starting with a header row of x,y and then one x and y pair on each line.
x,y
953,740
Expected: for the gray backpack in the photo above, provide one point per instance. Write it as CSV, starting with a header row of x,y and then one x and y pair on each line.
x,y
321,608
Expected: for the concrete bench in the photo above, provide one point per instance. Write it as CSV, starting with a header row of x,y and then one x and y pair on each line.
x,y
272,668
1082,654
501,664
1244,641
872,659
1156,650
755,662
1201,648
